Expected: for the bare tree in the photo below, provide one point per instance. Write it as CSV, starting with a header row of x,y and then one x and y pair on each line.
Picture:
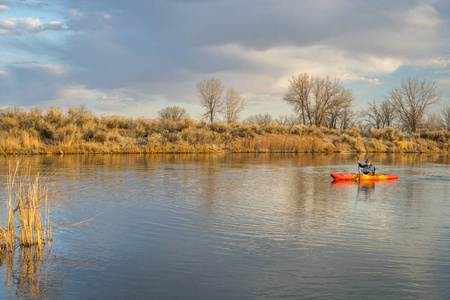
x,y
374,115
259,119
331,99
340,116
299,94
433,122
174,113
288,120
210,93
347,119
445,118
315,99
388,113
380,115
233,105
411,101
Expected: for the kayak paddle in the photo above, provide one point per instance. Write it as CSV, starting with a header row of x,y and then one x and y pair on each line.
x,y
359,170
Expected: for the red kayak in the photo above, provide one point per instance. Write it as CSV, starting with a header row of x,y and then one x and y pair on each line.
x,y
356,176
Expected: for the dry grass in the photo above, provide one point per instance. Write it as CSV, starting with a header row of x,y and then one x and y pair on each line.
x,y
78,132
27,210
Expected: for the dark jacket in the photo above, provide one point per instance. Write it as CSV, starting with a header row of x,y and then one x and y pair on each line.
x,y
366,169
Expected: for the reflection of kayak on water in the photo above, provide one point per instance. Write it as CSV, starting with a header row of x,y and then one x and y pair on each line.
x,y
356,176
366,185
362,183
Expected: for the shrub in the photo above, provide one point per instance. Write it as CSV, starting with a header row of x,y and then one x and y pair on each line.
x,y
388,134
196,136
170,137
54,116
219,127
315,131
145,127
9,123
354,132
242,131
299,130
47,132
112,122
438,136
275,128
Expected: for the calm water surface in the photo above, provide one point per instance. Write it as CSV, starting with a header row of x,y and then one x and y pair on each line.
x,y
239,227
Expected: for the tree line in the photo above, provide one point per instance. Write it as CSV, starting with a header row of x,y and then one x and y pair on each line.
x,y
325,101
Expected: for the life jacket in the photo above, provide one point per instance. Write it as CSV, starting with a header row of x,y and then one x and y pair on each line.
x,y
370,172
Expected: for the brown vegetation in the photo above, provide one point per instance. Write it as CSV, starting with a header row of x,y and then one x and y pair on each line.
x,y
27,211
78,131
27,214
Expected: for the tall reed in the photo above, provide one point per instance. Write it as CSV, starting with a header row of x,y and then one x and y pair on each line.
x,y
27,210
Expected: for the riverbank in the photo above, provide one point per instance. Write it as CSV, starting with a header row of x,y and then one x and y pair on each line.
x,y
200,140
33,132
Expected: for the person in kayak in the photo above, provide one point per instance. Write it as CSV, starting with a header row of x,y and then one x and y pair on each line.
x,y
368,168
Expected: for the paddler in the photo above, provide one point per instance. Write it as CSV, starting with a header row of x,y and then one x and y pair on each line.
x,y
368,168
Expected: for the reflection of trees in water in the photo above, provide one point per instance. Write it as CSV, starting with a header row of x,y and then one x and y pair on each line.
x,y
27,273
72,164
311,202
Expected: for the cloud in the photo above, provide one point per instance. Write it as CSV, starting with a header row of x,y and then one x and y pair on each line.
x,y
104,15
66,95
170,35
283,62
31,83
51,68
117,99
423,15
3,8
32,4
119,55
74,13
53,25
13,26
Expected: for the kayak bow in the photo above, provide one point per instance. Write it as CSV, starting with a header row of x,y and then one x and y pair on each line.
x,y
356,176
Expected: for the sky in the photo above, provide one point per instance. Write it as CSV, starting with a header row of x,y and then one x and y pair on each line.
x,y
133,58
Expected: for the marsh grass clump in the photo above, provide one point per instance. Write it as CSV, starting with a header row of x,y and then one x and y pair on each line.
x,y
27,210
32,207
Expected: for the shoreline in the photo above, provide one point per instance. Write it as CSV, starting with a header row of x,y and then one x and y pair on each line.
x,y
244,146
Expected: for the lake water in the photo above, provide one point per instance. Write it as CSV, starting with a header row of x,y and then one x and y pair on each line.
x,y
238,226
